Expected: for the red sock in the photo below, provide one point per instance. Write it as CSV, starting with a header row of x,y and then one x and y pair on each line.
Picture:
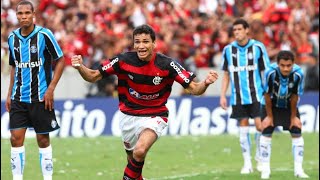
x,y
133,170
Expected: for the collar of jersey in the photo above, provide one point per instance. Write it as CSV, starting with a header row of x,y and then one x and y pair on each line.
x,y
25,39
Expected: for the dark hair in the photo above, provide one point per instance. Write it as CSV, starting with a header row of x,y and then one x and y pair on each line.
x,y
241,21
145,29
285,55
25,3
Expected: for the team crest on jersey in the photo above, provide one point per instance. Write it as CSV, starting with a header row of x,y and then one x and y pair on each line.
x,y
53,123
33,48
157,80
250,56
290,85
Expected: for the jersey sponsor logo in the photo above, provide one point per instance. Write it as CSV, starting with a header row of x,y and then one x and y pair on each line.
x,y
33,48
28,64
243,68
175,67
157,80
137,95
107,66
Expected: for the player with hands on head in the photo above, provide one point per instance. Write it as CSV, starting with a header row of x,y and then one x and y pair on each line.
x,y
284,83
145,79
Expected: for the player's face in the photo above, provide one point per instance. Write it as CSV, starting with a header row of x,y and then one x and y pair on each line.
x,y
240,33
144,46
285,66
25,15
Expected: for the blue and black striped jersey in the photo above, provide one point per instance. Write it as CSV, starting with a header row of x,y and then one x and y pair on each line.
x,y
32,58
244,64
281,88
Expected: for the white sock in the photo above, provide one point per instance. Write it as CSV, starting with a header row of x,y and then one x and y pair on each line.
x,y
297,151
257,140
17,162
245,145
45,156
265,151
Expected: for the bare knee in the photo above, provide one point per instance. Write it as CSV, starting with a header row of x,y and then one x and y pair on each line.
x,y
259,126
43,140
16,140
17,137
244,122
139,153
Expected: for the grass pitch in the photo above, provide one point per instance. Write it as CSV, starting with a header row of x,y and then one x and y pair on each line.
x,y
174,158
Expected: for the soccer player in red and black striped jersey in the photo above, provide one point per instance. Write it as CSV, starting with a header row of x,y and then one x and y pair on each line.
x,y
145,80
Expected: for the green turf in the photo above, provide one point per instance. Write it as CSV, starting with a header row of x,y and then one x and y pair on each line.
x,y
178,158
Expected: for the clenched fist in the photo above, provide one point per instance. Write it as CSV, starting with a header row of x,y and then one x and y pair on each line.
x,y
76,61
211,77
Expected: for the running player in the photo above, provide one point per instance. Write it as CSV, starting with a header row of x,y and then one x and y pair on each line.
x,y
145,81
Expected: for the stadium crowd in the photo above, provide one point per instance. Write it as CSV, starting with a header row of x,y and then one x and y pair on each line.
x,y
194,31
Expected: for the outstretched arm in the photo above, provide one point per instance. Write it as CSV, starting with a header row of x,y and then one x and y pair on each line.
x,y
198,88
87,74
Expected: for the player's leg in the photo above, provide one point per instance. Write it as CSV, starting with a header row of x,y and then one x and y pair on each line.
x,y
257,122
139,134
45,155
129,155
135,165
242,114
298,148
245,144
255,114
18,124
265,143
44,121
17,153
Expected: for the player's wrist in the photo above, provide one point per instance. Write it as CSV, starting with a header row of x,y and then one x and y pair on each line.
x,y
205,83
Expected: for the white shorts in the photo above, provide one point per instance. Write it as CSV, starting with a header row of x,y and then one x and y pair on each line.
x,y
132,126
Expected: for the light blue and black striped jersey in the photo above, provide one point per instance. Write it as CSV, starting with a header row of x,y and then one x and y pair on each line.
x,y
281,88
32,58
244,64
